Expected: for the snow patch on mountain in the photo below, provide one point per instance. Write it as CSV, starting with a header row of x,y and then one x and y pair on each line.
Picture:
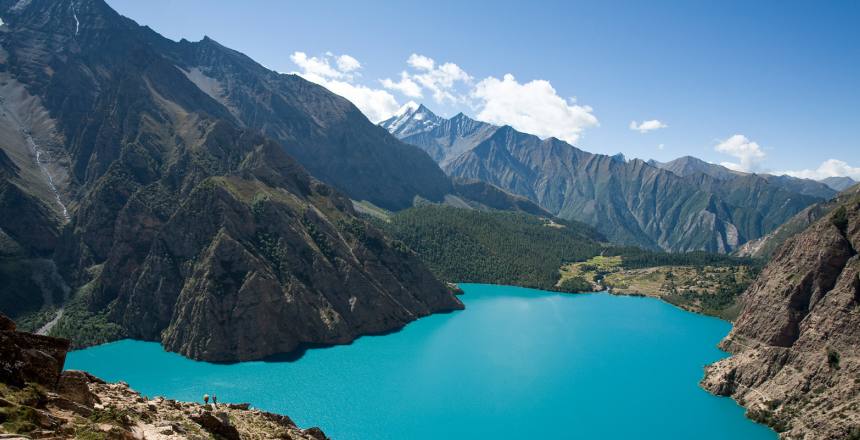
x,y
411,119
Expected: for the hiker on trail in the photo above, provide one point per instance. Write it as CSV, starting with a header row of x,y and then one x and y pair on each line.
x,y
205,399
214,399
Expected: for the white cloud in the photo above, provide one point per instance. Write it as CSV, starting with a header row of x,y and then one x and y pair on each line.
x,y
647,126
378,105
533,107
749,154
337,73
320,67
441,79
828,168
420,62
661,146
347,63
444,80
405,86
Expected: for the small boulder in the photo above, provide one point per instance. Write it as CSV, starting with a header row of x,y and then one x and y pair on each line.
x,y
217,424
316,433
65,404
74,385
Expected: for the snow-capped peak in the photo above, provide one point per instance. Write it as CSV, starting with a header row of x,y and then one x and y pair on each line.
x,y
407,108
412,118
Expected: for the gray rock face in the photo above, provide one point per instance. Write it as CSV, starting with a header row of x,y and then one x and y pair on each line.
x,y
795,345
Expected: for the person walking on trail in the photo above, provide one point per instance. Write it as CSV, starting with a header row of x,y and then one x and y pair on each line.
x,y
214,400
205,399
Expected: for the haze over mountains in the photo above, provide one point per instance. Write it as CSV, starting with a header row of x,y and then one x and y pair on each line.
x,y
683,205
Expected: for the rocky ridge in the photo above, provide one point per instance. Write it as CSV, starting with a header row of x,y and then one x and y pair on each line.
x,y
681,206
795,345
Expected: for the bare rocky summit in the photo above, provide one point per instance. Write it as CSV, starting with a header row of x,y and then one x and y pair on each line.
x,y
794,348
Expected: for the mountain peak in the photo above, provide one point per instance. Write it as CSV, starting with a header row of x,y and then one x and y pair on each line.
x,y
421,108
688,165
411,119
839,183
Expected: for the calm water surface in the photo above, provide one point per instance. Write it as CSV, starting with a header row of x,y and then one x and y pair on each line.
x,y
517,363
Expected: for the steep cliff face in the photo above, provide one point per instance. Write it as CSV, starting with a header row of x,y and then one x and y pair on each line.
x,y
186,223
795,345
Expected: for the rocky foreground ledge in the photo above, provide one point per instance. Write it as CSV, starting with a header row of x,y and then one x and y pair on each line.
x,y
40,400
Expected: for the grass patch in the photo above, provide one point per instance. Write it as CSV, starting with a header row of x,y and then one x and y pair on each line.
x,y
708,289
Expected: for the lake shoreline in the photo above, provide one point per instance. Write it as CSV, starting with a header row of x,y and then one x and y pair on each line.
x,y
515,357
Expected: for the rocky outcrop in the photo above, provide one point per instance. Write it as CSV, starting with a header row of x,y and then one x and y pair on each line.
x,y
28,358
39,400
795,346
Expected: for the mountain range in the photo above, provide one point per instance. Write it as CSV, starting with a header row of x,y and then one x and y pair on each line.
x,y
680,206
180,192
163,189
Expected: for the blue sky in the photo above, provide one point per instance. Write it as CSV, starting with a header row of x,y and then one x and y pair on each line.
x,y
763,85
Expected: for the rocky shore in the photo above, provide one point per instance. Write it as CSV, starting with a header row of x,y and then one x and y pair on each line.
x,y
40,400
794,361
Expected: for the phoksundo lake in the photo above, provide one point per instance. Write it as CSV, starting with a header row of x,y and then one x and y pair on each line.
x,y
517,363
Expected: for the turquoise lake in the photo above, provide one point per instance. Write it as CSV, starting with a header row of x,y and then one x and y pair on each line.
x,y
517,363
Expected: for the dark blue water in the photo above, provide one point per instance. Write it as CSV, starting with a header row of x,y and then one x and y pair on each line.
x,y
517,363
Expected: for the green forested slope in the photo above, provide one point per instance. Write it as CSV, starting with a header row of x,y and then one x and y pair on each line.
x,y
463,245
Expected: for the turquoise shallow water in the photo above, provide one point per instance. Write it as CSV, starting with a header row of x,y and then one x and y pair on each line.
x,y
517,363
